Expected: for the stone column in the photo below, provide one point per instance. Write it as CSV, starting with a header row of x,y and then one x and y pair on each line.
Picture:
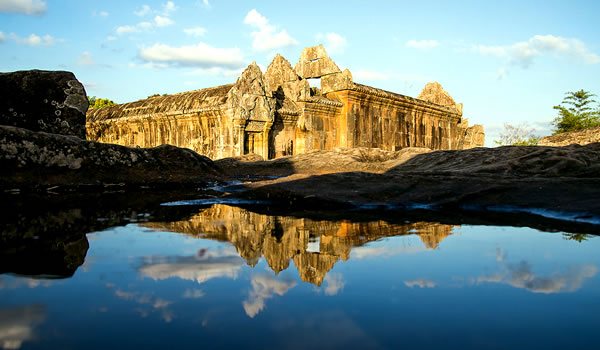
x,y
239,125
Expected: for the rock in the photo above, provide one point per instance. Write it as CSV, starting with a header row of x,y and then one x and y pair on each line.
x,y
49,101
36,160
315,63
474,137
372,160
582,137
563,181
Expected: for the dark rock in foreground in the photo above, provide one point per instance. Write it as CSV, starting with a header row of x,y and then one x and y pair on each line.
x,y
37,160
49,101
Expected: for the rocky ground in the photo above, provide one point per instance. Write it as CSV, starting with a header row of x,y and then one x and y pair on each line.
x,y
552,181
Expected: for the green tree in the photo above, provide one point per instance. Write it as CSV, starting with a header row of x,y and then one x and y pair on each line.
x,y
576,112
517,135
579,237
96,102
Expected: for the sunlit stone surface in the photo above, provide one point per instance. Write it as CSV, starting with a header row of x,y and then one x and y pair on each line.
x,y
278,114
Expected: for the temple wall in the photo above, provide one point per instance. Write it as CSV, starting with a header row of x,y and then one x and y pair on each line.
x,y
322,132
210,134
391,124
283,138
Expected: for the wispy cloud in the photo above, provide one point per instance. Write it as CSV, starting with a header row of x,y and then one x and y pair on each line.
x,y
335,283
2,37
265,36
143,11
27,7
422,44
161,19
521,275
34,40
195,31
193,268
264,287
421,283
103,14
17,325
199,55
86,59
193,294
524,53
152,303
334,42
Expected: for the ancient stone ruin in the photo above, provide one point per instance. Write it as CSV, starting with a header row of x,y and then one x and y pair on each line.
x,y
278,114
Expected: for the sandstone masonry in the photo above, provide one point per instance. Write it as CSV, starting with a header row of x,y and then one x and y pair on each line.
x,y
278,114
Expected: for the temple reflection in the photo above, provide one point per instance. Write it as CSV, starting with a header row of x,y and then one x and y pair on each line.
x,y
314,246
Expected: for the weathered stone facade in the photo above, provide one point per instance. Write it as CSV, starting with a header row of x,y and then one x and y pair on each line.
x,y
277,114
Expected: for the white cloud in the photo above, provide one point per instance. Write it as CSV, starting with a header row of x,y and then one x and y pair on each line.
x,y
521,275
2,37
34,40
145,26
263,288
267,37
193,268
200,55
421,283
335,283
154,304
422,44
169,7
161,21
28,7
206,3
17,325
524,53
126,29
86,59
195,31
143,11
334,42
103,14
193,294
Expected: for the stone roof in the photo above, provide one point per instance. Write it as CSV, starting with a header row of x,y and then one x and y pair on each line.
x,y
395,96
176,104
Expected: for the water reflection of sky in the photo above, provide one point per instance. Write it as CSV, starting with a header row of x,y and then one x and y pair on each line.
x,y
480,287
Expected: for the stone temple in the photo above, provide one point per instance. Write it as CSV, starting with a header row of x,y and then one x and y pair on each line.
x,y
278,114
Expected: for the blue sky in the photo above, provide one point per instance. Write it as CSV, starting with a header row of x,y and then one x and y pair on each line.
x,y
508,62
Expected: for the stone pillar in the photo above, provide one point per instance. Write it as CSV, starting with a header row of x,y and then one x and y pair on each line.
x,y
265,145
239,125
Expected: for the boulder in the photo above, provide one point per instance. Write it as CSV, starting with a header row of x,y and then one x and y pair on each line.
x,y
50,101
37,160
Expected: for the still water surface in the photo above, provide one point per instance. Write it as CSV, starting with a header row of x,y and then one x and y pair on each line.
x,y
226,277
